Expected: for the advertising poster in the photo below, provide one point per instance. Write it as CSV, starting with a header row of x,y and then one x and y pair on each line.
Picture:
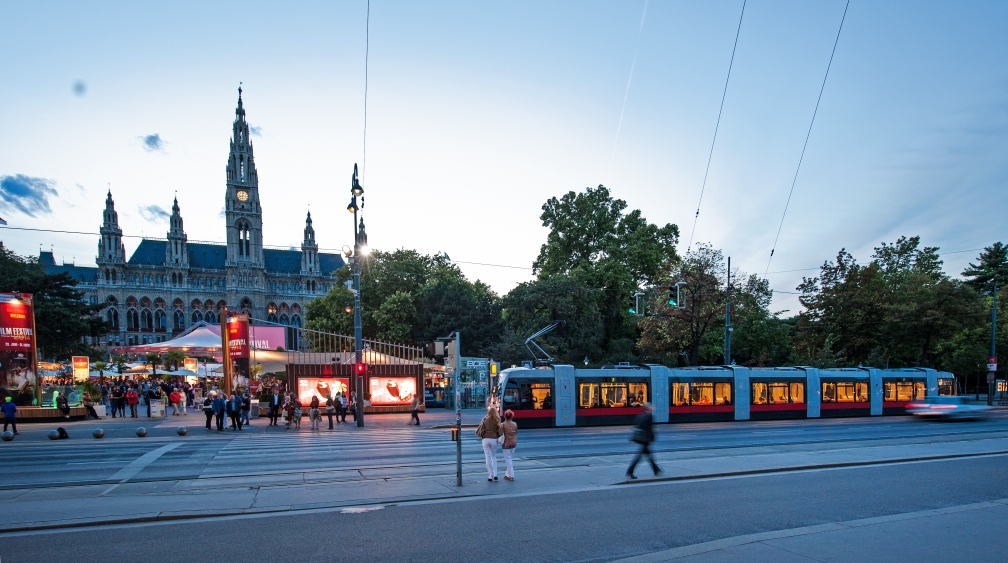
x,y
392,390
238,336
189,364
17,347
309,387
81,368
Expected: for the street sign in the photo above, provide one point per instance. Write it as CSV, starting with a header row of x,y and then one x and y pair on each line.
x,y
992,363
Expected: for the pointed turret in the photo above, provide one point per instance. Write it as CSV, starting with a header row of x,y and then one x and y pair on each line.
x,y
241,202
309,250
176,254
110,246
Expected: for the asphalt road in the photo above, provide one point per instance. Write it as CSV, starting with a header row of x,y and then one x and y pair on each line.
x,y
585,526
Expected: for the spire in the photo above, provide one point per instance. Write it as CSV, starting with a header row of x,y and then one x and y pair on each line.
x,y
309,249
176,253
110,246
176,221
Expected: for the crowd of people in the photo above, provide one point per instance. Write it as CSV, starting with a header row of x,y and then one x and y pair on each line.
x,y
288,407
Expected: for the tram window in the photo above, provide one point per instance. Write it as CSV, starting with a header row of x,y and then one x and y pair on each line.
x,y
889,391
531,396
919,390
614,394
510,397
829,392
861,392
702,394
844,392
778,393
589,395
904,391
759,393
722,394
946,387
680,394
797,392
638,394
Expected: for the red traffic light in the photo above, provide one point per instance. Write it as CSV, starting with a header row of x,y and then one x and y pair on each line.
x,y
360,369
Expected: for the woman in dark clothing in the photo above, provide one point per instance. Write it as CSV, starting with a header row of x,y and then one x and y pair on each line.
x,y
643,434
63,405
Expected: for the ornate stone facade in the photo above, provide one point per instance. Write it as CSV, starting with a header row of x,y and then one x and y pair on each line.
x,y
169,284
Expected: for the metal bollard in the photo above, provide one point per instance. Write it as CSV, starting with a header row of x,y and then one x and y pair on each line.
x,y
454,434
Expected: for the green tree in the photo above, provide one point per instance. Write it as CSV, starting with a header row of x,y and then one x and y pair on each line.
x,y
991,269
154,360
119,362
594,241
100,367
174,359
397,318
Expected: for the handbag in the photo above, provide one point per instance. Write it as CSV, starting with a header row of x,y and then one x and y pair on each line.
x,y
638,436
500,439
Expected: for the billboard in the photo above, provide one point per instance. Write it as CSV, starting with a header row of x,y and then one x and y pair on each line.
x,y
238,336
387,390
309,387
81,368
189,364
17,347
262,337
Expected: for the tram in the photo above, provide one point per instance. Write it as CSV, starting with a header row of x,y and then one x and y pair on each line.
x,y
560,395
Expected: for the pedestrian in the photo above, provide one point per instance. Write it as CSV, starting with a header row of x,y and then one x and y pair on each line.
x,y
105,397
183,400
246,408
219,411
296,403
234,411
150,395
314,416
117,395
510,429
415,412
9,414
89,405
330,408
208,409
643,434
353,406
175,398
133,400
288,412
275,402
489,430
63,405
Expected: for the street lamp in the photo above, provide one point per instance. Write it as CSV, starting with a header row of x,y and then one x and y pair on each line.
x,y
359,250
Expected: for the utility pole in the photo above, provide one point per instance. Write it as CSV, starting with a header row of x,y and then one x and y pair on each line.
x,y
458,409
727,320
992,360
360,247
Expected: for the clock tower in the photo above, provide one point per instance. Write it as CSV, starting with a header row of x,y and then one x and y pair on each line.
x,y
242,211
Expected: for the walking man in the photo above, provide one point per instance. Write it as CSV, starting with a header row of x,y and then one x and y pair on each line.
x,y
219,411
414,414
208,409
274,406
246,408
643,434
330,408
9,414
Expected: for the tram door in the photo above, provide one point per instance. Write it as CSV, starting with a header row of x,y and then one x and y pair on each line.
x,y
564,380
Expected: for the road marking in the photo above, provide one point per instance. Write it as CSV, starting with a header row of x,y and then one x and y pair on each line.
x,y
725,543
138,465
360,509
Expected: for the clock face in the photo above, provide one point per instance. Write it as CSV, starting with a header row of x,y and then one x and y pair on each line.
x,y
242,195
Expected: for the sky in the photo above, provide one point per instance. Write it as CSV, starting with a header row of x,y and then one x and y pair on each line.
x,y
479,112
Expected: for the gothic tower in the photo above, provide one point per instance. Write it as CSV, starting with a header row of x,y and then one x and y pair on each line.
x,y
176,255
309,250
241,204
111,252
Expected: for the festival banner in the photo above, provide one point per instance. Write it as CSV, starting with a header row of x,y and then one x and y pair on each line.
x,y
238,336
16,332
189,364
81,368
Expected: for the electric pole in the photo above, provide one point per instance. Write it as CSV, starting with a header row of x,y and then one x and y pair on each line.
x,y
727,320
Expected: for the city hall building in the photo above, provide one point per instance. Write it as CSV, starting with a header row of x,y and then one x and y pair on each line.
x,y
169,284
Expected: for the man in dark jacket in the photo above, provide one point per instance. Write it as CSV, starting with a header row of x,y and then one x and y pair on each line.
x,y
219,411
275,401
643,434
10,414
208,410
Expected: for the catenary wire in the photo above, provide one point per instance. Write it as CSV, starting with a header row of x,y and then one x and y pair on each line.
x,y
716,126
807,135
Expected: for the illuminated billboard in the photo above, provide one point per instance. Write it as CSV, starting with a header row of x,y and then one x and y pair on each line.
x,y
392,390
81,368
238,336
17,347
309,387
189,364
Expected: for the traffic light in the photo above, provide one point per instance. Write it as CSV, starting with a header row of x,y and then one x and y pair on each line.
x,y
673,298
633,305
360,369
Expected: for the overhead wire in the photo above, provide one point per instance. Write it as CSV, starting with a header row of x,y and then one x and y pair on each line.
x,y
716,126
807,135
627,91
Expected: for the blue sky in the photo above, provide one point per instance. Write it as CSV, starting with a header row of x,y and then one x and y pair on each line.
x,y
479,112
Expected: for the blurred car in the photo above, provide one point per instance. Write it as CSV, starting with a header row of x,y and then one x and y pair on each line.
x,y
947,408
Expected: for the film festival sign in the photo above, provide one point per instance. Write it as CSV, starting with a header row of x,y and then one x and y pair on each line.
x,y
238,336
17,348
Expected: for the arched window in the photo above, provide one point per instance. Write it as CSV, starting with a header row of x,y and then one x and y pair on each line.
x,y
146,320
113,318
132,320
179,320
196,317
210,317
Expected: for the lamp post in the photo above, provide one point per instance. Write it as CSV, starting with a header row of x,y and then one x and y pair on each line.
x,y
359,249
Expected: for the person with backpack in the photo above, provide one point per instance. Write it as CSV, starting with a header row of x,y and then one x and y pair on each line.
x,y
643,434
10,415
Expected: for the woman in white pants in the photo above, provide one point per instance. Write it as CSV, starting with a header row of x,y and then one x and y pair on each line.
x,y
510,430
490,431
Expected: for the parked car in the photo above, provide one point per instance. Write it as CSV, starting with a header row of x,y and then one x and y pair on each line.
x,y
948,407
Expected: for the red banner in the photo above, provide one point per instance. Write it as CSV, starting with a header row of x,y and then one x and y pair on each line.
x,y
16,333
238,336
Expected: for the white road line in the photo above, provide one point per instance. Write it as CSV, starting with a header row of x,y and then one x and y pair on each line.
x,y
138,465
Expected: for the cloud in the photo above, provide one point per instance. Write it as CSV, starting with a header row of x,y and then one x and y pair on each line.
x,y
256,131
79,88
26,194
154,213
152,143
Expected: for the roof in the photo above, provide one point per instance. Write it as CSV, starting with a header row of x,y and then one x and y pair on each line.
x,y
214,256
82,274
